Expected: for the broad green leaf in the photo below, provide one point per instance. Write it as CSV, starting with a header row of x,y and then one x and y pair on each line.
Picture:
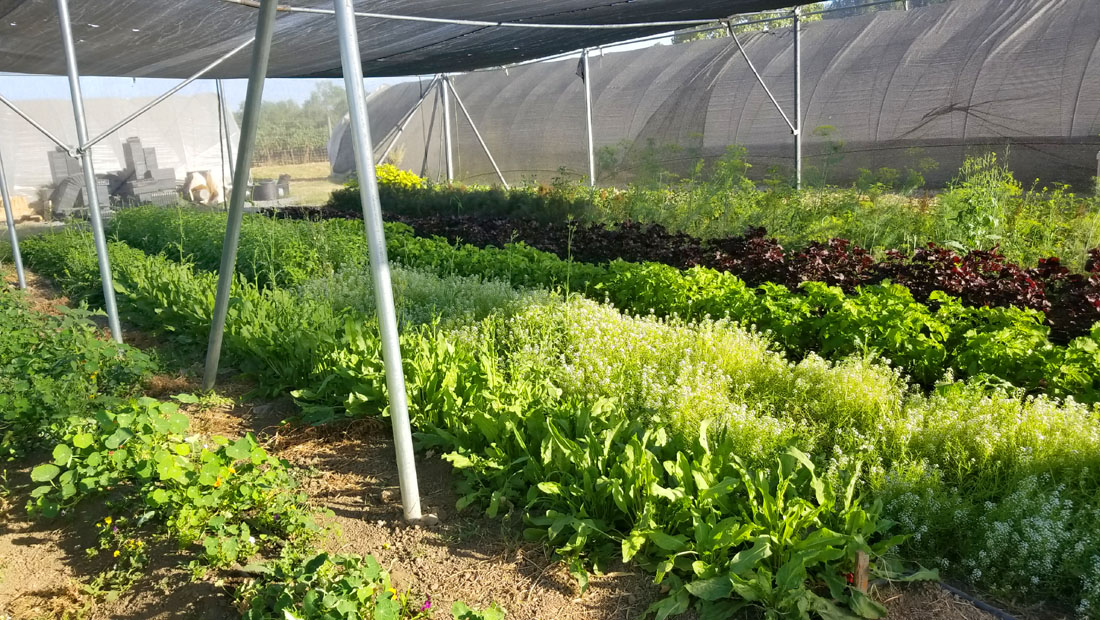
x,y
792,575
83,440
62,455
119,437
711,589
550,488
45,473
675,604
387,609
239,450
178,423
748,559
632,544
668,543
865,606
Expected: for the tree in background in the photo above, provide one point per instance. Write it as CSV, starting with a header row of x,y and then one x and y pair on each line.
x,y
852,7
290,132
740,24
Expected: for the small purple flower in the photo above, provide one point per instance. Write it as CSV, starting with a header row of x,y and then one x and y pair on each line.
x,y
114,529
427,604
276,517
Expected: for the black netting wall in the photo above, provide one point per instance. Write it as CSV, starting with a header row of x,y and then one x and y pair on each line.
x,y
896,89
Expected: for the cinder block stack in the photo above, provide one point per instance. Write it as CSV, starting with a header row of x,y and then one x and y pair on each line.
x,y
141,182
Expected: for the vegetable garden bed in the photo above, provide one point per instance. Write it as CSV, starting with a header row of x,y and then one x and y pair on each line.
x,y
965,453
466,556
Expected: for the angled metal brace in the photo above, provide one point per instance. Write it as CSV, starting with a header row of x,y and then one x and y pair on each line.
x,y
760,79
83,148
14,108
407,119
477,133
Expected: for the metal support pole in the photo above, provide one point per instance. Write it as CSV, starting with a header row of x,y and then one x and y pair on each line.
x,y
91,200
221,143
225,123
588,119
405,121
12,236
265,27
466,113
797,25
379,262
449,147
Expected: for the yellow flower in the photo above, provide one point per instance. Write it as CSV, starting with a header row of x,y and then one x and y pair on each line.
x,y
232,471
116,553
108,520
218,482
392,591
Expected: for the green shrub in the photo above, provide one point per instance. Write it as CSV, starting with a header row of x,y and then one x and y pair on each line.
x,y
56,371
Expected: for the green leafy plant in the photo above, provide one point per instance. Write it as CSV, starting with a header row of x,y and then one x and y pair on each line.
x,y
230,497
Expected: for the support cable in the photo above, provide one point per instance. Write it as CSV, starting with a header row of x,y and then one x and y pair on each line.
x,y
483,23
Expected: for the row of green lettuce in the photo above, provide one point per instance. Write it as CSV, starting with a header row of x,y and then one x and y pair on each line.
x,y
928,342
548,407
63,384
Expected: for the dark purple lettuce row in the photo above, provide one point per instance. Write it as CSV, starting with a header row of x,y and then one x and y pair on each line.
x,y
1070,300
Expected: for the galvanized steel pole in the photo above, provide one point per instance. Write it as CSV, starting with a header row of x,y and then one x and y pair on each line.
x,y
797,25
379,262
265,27
225,124
12,236
588,119
447,127
221,143
91,200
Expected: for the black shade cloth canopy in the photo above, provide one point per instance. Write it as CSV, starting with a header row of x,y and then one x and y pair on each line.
x,y
175,38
